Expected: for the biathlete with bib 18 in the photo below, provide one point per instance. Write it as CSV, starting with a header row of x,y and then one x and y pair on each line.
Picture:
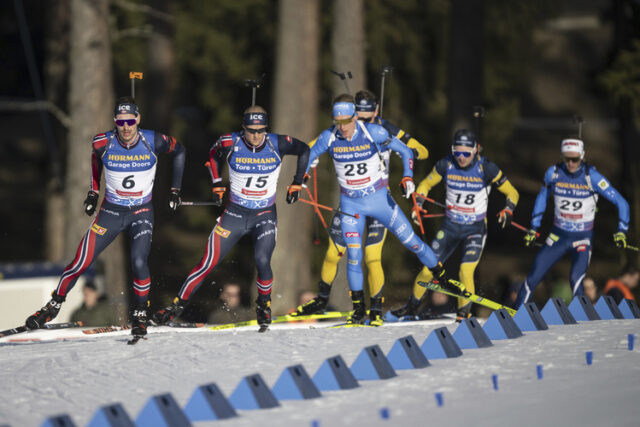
x,y
468,179
367,109
128,156
254,157
356,148
575,186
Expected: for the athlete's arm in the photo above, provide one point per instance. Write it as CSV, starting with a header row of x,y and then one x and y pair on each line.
x,y
502,183
434,177
217,154
98,146
541,200
319,146
169,145
292,146
420,151
602,186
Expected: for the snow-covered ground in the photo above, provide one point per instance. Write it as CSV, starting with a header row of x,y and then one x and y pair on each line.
x,y
78,375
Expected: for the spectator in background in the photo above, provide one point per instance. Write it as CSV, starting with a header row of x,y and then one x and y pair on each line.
x,y
590,289
621,287
229,308
95,310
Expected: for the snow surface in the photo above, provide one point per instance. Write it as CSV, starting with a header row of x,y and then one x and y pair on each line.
x,y
82,373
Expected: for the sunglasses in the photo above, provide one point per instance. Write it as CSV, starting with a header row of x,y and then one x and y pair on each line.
x,y
343,121
367,119
465,154
572,159
255,131
129,122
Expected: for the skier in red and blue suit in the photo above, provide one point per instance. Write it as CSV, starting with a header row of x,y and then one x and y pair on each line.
x,y
128,156
575,186
254,158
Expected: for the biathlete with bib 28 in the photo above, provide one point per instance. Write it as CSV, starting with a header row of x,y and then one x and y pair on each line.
x,y
367,110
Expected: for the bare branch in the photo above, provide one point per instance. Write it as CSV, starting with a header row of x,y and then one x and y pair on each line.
x,y
52,108
134,7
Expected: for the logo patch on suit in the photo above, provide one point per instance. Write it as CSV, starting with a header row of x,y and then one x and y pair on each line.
x,y
603,184
222,232
98,230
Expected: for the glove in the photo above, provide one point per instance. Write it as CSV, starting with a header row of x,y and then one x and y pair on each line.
x,y
218,194
293,193
439,274
174,199
91,202
315,162
620,240
305,178
504,217
408,187
530,237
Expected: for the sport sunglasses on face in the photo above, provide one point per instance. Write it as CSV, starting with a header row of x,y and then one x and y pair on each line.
x,y
466,154
255,131
343,121
129,122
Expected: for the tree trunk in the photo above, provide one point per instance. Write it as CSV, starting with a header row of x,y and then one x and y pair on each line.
x,y
56,70
348,51
347,44
465,62
294,113
90,107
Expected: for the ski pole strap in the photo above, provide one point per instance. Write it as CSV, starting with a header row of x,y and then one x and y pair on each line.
x,y
328,208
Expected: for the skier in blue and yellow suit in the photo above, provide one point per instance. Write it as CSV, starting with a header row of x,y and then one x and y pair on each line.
x,y
468,178
367,110
356,149
575,187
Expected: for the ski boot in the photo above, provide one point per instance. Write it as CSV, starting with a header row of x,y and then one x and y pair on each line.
x,y
375,311
409,309
169,313
357,316
46,313
263,313
463,312
316,305
139,320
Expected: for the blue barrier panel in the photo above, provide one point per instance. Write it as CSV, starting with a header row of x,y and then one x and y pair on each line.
x,y
162,410
372,364
500,326
334,374
528,318
440,345
582,309
406,354
471,335
253,393
111,416
295,384
555,312
607,308
208,403
629,309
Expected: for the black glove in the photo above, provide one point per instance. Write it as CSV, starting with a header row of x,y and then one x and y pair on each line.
x,y
91,202
439,274
174,199
218,194
293,192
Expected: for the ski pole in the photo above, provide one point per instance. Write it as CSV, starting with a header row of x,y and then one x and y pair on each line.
x,y
133,75
526,230
478,114
430,200
418,210
387,69
328,208
315,208
577,119
343,77
316,235
632,248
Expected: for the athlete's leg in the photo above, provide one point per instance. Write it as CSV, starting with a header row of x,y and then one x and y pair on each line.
x,y
140,233
473,247
550,253
222,238
104,229
263,232
580,258
376,235
334,252
352,229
